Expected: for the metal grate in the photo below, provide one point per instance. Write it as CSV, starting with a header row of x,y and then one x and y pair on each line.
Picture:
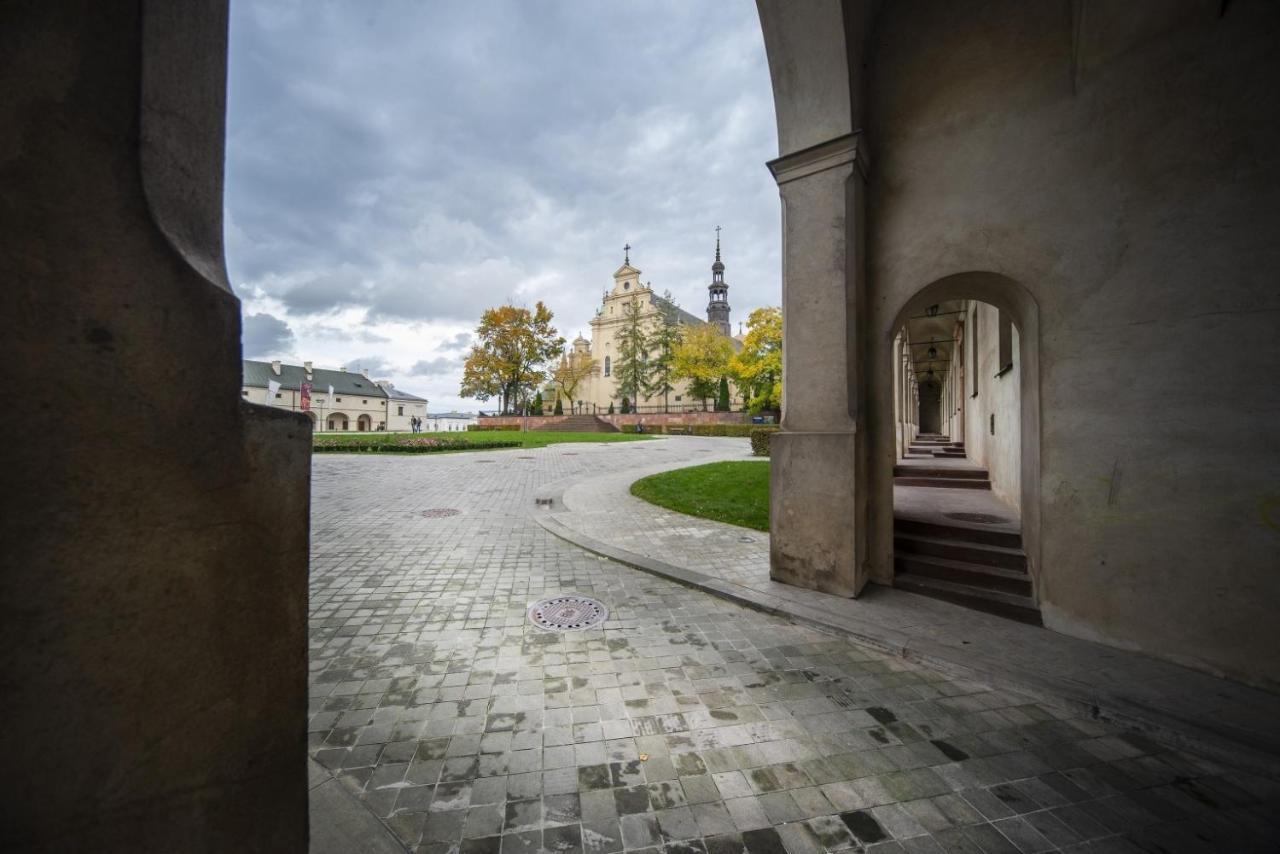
x,y
440,512
980,518
568,613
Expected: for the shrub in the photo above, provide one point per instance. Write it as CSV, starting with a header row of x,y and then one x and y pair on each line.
x,y
626,405
536,409
760,439
611,407
559,410
478,428
722,399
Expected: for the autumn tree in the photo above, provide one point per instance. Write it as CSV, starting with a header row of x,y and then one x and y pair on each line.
x,y
702,357
758,368
632,368
573,369
512,346
663,340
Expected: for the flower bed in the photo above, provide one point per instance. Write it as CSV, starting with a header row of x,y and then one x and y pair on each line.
x,y
407,445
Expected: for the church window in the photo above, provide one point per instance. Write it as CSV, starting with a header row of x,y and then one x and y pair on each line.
x,y
608,366
626,286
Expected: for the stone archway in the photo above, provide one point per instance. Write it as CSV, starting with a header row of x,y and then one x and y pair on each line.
x,y
338,421
1009,299
364,423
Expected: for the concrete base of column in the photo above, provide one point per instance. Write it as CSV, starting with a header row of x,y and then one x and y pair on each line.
x,y
813,535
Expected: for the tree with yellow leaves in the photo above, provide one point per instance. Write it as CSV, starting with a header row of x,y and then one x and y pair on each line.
x,y
702,357
570,373
512,346
758,367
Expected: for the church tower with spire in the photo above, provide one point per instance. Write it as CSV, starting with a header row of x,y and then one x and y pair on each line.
x,y
718,307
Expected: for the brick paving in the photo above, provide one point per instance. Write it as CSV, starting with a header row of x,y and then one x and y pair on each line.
x,y
686,723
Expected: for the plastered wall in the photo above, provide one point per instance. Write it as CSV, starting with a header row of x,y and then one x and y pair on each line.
x,y
1124,171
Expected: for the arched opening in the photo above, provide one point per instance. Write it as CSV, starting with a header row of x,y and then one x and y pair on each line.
x,y
966,457
315,422
364,423
338,421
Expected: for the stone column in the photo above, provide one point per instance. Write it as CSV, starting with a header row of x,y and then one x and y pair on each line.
x,y
818,531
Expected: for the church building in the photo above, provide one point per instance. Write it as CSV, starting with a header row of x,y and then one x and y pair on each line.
x,y
600,389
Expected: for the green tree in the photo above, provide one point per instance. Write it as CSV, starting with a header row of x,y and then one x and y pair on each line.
x,y
536,409
758,368
632,368
663,341
702,357
611,407
512,346
626,405
722,398
559,410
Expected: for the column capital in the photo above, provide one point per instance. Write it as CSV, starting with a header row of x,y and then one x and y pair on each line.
x,y
840,151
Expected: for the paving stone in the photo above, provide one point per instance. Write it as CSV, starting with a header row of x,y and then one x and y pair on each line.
x,y
471,731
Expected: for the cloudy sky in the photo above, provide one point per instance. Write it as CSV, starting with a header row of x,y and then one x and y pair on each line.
x,y
394,167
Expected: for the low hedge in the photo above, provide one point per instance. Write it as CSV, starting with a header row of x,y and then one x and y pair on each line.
x,y
760,439
742,430
422,445
480,428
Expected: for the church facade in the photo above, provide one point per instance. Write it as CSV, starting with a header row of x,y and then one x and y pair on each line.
x,y
597,391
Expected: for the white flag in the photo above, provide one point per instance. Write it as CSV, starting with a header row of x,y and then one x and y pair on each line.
x,y
272,388
331,392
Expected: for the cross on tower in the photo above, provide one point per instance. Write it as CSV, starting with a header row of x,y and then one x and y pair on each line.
x,y
717,232
626,254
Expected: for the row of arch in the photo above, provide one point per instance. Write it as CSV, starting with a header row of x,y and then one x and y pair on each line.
x,y
340,422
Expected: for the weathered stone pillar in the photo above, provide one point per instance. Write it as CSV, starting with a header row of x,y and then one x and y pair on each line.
x,y
818,536
153,528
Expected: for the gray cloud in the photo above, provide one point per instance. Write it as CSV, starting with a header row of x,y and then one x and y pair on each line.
x,y
400,162
378,367
265,336
436,367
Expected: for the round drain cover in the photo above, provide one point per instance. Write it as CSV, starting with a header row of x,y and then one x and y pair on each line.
x,y
440,512
980,518
568,613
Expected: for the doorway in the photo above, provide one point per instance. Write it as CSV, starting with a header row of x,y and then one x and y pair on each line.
x,y
959,485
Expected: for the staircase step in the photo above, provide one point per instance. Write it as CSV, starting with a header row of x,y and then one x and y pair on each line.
x,y
1021,608
940,471
962,572
944,482
959,550
966,533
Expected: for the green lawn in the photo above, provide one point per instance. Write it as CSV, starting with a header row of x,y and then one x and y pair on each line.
x,y
733,492
531,439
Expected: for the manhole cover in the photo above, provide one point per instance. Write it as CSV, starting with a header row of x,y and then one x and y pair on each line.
x,y
568,613
980,518
440,512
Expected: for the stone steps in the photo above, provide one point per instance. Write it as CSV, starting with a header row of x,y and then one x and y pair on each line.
x,y
944,482
978,568
579,424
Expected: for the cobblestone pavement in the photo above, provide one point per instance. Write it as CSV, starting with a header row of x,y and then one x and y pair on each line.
x,y
685,724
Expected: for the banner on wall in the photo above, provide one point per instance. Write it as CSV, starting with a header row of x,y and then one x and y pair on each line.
x,y
304,398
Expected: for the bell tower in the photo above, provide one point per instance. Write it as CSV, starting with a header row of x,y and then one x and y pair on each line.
x,y
718,307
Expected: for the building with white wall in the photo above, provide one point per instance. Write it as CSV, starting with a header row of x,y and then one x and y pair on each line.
x,y
334,400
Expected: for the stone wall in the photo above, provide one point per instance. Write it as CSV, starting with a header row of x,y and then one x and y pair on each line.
x,y
153,527
514,422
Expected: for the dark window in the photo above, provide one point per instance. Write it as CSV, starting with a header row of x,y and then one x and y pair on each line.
x,y
338,399
973,349
279,395
1006,343
608,366
245,392
364,401
399,410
